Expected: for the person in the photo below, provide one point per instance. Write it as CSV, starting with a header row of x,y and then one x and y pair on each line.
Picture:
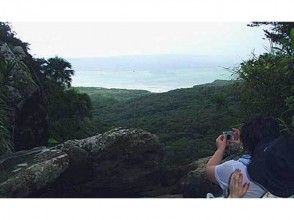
x,y
257,132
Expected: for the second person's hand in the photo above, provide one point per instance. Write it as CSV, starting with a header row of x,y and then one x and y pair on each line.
x,y
237,188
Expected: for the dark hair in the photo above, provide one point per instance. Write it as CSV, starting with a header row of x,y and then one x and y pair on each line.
x,y
257,130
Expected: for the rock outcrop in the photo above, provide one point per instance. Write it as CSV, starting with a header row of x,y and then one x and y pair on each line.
x,y
118,163
26,100
24,172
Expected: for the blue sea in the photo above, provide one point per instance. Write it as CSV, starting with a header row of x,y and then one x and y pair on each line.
x,y
154,81
156,73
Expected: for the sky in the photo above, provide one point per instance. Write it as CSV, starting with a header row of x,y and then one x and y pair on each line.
x,y
102,39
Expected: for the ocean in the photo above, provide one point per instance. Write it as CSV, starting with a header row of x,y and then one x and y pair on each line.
x,y
152,80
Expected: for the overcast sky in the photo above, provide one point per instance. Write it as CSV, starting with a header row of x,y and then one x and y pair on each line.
x,y
116,39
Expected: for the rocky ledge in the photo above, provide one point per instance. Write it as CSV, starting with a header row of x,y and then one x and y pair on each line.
x,y
118,163
27,171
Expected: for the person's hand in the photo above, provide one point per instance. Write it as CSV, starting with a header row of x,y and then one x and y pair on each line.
x,y
221,142
237,188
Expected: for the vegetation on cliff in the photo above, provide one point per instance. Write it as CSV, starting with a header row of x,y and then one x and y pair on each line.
x,y
36,102
267,80
69,111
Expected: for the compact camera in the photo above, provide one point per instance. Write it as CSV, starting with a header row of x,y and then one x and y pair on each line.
x,y
230,136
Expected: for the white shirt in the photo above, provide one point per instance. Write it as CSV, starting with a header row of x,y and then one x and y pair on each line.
x,y
223,174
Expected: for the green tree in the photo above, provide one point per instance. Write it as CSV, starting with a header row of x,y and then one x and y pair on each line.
x,y
281,34
70,114
59,70
267,80
8,36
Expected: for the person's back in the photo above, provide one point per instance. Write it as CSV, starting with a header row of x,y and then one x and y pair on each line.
x,y
223,173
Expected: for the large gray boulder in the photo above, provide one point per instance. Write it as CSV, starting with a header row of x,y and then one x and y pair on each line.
x,y
25,172
118,163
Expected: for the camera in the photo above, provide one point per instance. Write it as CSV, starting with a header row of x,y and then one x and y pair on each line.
x,y
229,135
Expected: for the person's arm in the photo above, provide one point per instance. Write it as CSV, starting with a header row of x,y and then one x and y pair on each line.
x,y
237,188
221,144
